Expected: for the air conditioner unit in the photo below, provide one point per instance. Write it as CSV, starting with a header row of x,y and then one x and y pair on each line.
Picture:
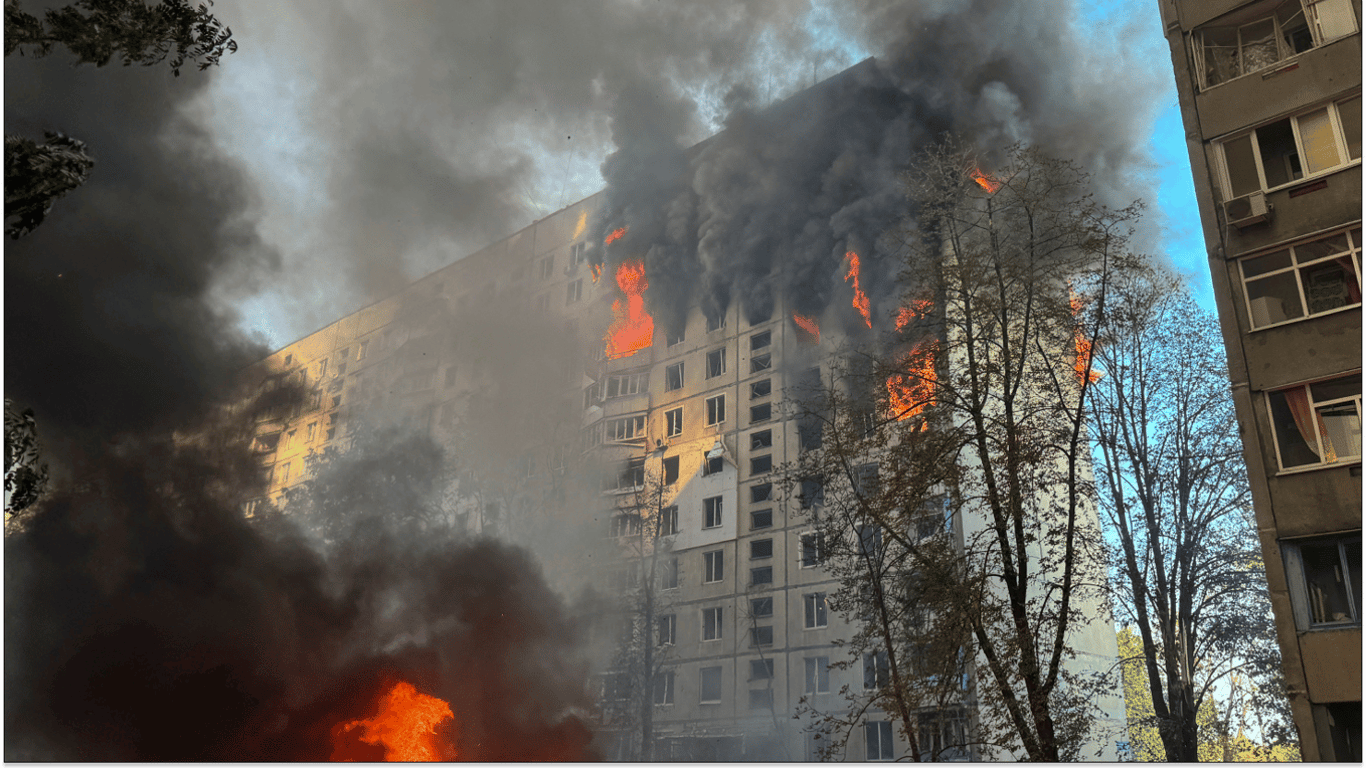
x,y
1247,210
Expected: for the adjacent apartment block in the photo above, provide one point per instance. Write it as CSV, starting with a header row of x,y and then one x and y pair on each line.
x,y
1270,94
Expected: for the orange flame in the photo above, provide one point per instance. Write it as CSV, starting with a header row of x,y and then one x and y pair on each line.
x,y
1084,347
615,236
808,324
908,393
632,328
405,726
985,181
906,315
596,270
860,298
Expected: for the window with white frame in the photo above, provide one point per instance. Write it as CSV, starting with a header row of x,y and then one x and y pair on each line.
x,y
711,623
664,688
1263,34
761,388
710,691
622,384
817,674
711,512
815,610
713,566
1317,424
877,672
624,525
878,741
716,410
668,630
1303,280
668,520
716,363
623,429
578,254
1324,576
673,422
573,292
716,323
673,377
1292,148
670,576
813,549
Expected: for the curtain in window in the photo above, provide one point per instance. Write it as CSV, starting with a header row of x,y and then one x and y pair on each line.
x,y
1349,270
1298,400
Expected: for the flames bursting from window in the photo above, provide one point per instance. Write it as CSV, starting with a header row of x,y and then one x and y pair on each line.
x,y
405,727
1084,347
985,181
812,329
632,328
616,235
909,391
906,315
860,298
596,270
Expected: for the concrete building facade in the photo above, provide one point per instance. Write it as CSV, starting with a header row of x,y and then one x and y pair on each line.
x,y
1270,94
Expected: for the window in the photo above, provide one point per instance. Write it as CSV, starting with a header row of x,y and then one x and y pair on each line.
x,y
870,540
627,428
620,385
761,412
711,512
716,410
760,518
312,430
716,323
760,669
1303,280
670,580
759,389
1265,34
673,377
815,610
624,525
578,254
629,477
340,370
760,636
668,630
711,623
760,465
1325,581
761,607
878,737
670,470
288,438
668,520
760,440
758,577
944,735
1317,424
616,686
673,423
876,671
673,338
547,267
322,367
711,686
812,494
362,349
664,688
817,674
1293,148
713,566
760,549
761,493
716,363
809,434
760,363
813,549
760,340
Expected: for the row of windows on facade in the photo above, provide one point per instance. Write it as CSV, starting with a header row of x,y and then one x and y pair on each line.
x,y
616,686
1303,280
638,382
631,428
1264,34
1315,142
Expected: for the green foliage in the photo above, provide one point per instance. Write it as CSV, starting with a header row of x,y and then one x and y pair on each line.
x,y
37,175
26,477
98,30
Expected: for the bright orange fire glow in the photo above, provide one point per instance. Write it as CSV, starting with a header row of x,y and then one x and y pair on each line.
x,y
908,393
632,328
906,315
985,181
860,298
1085,349
615,236
808,324
405,726
596,270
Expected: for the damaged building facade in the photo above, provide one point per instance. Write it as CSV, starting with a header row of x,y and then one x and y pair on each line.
x,y
652,456
1270,94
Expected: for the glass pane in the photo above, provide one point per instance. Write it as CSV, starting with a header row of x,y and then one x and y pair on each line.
x,y
1320,142
1342,424
1329,285
1295,451
1258,45
1221,54
1349,112
1334,19
1273,299
1268,263
1280,158
1320,248
1347,386
1326,584
1242,168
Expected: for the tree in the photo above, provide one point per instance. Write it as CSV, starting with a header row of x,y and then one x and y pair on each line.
x,y
1174,491
982,396
26,475
37,175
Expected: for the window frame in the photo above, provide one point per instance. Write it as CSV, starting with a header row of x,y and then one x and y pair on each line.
x,y
756,549
753,519
1339,136
763,384
761,576
702,685
719,369
760,413
754,604
717,628
673,422
666,627
664,681
716,410
1341,461
1298,582
816,674
879,732
760,363
668,520
1283,58
759,638
760,340
815,610
1352,254
714,566
713,512
818,546
669,383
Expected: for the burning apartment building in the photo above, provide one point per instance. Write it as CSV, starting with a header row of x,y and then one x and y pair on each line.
x,y
616,385
1271,99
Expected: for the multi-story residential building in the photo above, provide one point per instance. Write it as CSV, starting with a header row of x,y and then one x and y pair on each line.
x,y
1270,93
689,420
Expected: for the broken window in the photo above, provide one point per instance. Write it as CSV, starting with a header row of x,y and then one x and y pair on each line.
x,y
664,688
670,580
670,470
761,493
1287,150
711,512
813,549
817,674
1317,423
760,637
716,323
761,669
668,630
716,410
760,607
1263,34
668,521
713,465
674,337
810,431
673,377
760,363
624,525
578,254
623,384
711,686
1325,580
1303,280
673,422
716,363
760,340
760,465
714,567
815,611
630,477
759,440
760,389
711,623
